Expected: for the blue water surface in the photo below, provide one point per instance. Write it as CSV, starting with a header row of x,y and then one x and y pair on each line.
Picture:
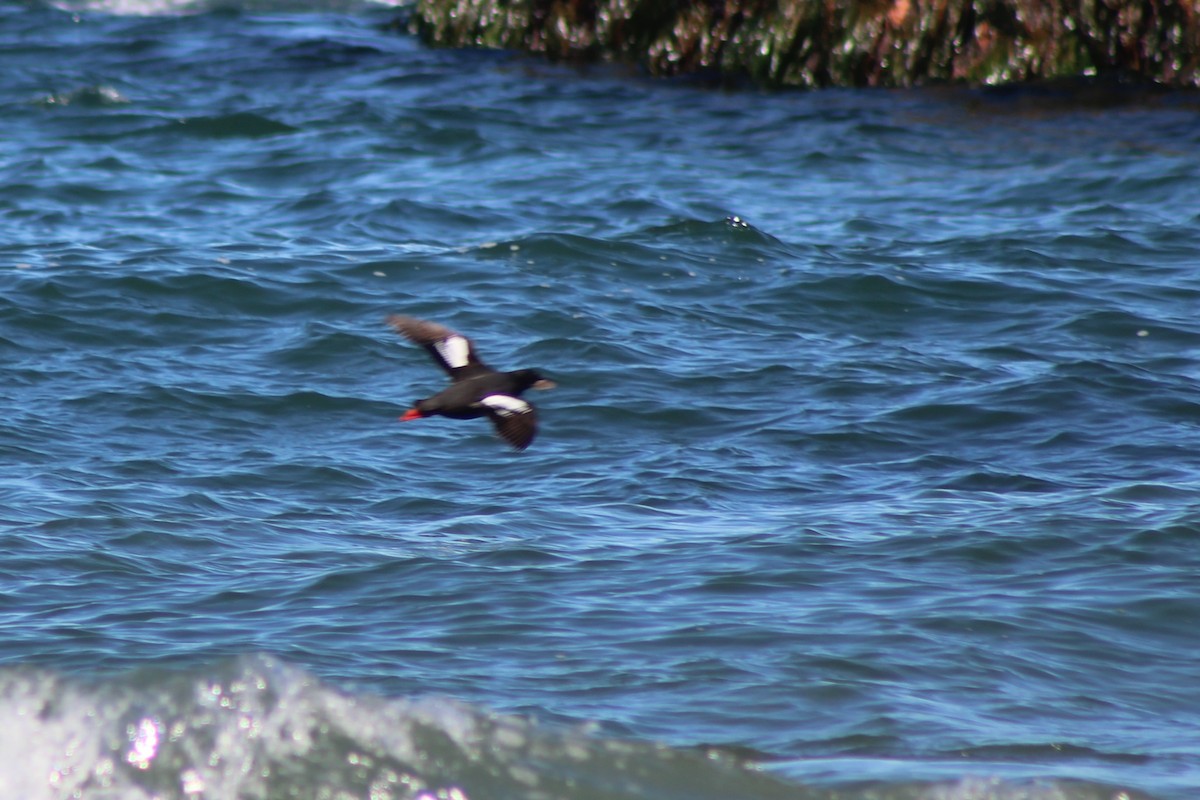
x,y
872,470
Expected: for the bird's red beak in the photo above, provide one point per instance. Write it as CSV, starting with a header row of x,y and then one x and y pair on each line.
x,y
411,414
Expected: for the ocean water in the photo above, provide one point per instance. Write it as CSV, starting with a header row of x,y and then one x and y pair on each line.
x,y
872,472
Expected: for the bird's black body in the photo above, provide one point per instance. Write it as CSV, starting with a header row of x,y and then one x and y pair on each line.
x,y
476,390
462,399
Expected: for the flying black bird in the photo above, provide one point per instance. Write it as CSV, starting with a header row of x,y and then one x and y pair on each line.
x,y
476,390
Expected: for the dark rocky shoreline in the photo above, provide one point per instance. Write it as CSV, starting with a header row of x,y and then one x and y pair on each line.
x,y
815,43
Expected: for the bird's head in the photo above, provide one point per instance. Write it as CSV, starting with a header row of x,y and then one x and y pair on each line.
x,y
532,379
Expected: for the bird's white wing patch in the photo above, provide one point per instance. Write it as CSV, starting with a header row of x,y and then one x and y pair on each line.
x,y
454,350
506,406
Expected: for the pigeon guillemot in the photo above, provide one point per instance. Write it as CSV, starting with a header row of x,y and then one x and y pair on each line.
x,y
476,390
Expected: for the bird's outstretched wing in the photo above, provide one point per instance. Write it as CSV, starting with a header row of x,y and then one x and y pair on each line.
x,y
515,419
451,350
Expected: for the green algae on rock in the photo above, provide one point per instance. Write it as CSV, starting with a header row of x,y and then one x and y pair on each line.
x,y
814,43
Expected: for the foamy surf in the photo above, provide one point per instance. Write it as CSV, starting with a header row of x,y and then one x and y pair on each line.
x,y
255,727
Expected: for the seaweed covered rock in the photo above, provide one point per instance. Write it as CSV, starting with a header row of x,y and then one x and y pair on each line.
x,y
827,43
